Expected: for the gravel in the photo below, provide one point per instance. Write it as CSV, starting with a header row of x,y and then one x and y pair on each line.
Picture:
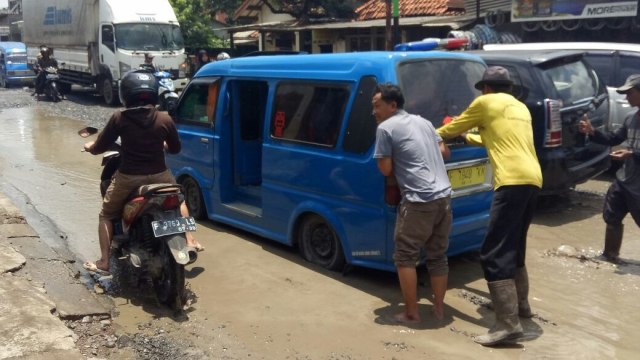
x,y
82,104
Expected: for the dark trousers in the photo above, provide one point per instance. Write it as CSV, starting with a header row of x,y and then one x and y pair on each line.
x,y
504,246
618,203
41,78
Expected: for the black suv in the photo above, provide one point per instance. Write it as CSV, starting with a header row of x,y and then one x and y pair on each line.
x,y
559,87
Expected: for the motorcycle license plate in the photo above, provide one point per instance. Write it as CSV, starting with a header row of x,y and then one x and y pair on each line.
x,y
173,226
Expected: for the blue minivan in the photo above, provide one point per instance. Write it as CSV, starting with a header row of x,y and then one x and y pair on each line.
x,y
282,146
14,69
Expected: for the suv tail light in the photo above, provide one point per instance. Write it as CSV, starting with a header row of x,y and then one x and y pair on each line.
x,y
553,123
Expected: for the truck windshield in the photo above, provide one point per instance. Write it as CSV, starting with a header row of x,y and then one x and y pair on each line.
x,y
435,89
145,37
16,59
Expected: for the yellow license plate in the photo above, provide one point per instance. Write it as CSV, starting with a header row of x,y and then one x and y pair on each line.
x,y
466,176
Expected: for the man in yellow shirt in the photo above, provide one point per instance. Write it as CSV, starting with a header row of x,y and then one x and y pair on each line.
x,y
504,126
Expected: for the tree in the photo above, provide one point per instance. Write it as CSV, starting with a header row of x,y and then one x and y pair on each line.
x,y
195,17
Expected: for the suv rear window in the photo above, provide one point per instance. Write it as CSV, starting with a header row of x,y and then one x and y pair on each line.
x,y
573,81
434,89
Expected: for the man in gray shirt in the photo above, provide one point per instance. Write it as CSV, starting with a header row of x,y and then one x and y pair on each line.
x,y
408,147
623,196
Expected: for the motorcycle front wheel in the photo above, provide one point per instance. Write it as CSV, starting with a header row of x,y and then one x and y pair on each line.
x,y
169,284
54,93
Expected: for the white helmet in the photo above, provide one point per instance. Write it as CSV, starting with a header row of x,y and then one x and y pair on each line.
x,y
223,56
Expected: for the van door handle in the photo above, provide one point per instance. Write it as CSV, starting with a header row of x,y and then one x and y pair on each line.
x,y
204,140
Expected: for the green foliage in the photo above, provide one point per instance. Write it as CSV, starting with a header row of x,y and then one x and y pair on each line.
x,y
195,18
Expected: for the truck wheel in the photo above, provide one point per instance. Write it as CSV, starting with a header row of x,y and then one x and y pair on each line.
x,y
108,93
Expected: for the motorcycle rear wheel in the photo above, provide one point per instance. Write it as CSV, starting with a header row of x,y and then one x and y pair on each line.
x,y
169,285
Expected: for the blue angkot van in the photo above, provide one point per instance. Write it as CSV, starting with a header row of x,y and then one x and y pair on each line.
x,y
14,69
282,146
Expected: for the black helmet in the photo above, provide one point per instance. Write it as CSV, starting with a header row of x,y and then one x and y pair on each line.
x,y
44,51
138,88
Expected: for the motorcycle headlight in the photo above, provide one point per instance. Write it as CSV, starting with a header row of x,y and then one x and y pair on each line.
x,y
124,68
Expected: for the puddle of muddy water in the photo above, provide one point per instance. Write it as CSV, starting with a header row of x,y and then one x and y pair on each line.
x,y
46,163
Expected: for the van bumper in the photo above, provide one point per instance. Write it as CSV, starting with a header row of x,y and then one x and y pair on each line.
x,y
21,80
558,177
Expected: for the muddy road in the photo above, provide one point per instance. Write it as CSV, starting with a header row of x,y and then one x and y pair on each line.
x,y
252,298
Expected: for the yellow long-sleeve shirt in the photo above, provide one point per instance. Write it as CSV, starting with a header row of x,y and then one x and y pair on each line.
x,y
504,125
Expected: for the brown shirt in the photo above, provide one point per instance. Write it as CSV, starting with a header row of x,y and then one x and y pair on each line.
x,y
143,132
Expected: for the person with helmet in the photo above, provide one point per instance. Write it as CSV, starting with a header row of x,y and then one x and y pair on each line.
x,y
223,56
145,134
148,63
45,60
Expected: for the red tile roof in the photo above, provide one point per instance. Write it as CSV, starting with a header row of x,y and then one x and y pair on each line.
x,y
376,9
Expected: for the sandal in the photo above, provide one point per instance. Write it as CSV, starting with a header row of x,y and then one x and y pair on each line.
x,y
92,267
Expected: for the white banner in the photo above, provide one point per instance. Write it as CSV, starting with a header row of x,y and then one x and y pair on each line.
x,y
529,10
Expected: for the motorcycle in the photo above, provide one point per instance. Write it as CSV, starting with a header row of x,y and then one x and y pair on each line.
x,y
50,87
151,235
167,96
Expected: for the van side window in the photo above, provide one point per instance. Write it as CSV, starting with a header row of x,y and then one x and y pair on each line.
x,y
197,106
361,128
309,112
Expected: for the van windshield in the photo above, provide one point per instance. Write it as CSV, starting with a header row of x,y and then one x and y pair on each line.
x,y
573,81
435,89
145,36
16,59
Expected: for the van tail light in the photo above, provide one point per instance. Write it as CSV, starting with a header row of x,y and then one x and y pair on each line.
x,y
553,123
391,191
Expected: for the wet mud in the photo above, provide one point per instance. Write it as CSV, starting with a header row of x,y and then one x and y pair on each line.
x,y
252,298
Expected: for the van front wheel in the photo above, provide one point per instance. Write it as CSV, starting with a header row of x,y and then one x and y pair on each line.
x,y
193,197
319,243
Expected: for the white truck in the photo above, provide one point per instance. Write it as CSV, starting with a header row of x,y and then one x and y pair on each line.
x,y
97,41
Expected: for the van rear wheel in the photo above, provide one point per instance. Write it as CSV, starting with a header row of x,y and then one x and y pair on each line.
x,y
319,243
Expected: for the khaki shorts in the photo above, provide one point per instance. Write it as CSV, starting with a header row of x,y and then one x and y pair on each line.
x,y
122,185
423,226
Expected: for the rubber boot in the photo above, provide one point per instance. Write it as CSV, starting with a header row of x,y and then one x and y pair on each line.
x,y
612,243
507,328
522,288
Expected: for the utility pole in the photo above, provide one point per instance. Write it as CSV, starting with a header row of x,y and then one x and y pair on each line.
x,y
396,22
387,29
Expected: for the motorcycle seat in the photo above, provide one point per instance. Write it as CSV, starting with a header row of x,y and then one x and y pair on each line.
x,y
151,189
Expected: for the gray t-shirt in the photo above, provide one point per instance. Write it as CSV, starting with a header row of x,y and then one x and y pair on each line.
x,y
412,144
629,175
